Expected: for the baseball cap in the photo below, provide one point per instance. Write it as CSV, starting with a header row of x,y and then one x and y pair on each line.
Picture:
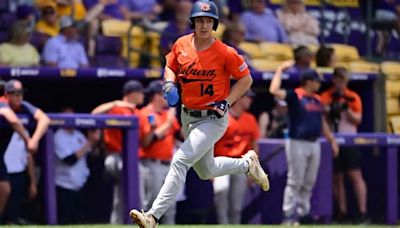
x,y
310,75
9,87
66,21
24,11
132,86
155,87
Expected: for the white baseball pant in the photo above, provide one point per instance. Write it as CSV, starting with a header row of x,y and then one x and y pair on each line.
x,y
303,158
198,151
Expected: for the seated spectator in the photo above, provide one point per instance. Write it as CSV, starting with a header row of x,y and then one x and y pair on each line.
x,y
262,25
18,52
176,27
325,57
301,27
48,23
387,17
141,10
71,171
303,58
26,13
64,50
111,9
73,8
234,35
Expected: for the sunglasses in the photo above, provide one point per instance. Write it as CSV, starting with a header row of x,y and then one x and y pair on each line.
x,y
16,93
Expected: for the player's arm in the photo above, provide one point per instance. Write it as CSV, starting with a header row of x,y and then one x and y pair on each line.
x,y
326,131
240,88
42,124
160,131
275,87
354,117
15,123
104,108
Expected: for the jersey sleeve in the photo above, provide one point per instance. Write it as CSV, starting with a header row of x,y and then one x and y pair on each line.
x,y
326,98
236,65
171,58
145,127
29,107
356,104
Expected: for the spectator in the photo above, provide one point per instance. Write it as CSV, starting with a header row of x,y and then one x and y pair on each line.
x,y
301,27
345,114
132,97
48,22
176,27
303,58
5,136
157,136
262,25
325,57
240,136
20,164
64,50
234,35
274,125
71,148
26,13
303,150
387,17
72,8
18,52
141,10
111,9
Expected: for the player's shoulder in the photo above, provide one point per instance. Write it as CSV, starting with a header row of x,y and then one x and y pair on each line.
x,y
184,39
351,93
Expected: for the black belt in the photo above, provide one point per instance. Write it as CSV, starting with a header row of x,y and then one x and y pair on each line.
x,y
198,113
309,138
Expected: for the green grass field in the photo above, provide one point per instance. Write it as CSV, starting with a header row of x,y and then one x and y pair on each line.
x,y
207,226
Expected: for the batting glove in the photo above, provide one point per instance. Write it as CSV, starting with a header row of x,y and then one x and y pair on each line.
x,y
220,108
170,93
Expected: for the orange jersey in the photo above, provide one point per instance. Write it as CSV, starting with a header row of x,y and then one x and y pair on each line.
x,y
113,137
161,149
239,136
204,76
354,99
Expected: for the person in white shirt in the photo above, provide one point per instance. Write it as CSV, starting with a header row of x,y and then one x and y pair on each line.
x,y
72,172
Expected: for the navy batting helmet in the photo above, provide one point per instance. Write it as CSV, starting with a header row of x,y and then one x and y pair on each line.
x,y
204,8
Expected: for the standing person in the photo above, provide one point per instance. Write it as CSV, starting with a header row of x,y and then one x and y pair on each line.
x,y
5,136
202,65
240,136
71,171
303,149
157,141
133,95
345,114
20,164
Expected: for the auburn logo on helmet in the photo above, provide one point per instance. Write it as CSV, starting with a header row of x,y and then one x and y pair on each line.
x,y
205,6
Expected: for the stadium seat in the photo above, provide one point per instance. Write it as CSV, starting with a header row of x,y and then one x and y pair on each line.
x,y
276,51
252,49
361,66
322,70
38,40
6,20
394,123
265,64
345,53
392,105
118,28
391,69
109,61
392,88
154,49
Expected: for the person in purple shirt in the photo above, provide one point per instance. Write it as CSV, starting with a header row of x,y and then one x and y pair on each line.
x,y
176,27
112,9
262,25
140,9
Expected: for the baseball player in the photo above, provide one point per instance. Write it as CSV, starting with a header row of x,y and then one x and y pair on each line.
x,y
157,136
202,65
240,136
303,150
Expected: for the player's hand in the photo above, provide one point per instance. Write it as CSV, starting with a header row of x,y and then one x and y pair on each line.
x,y
32,191
335,148
170,93
120,103
32,146
220,107
286,65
